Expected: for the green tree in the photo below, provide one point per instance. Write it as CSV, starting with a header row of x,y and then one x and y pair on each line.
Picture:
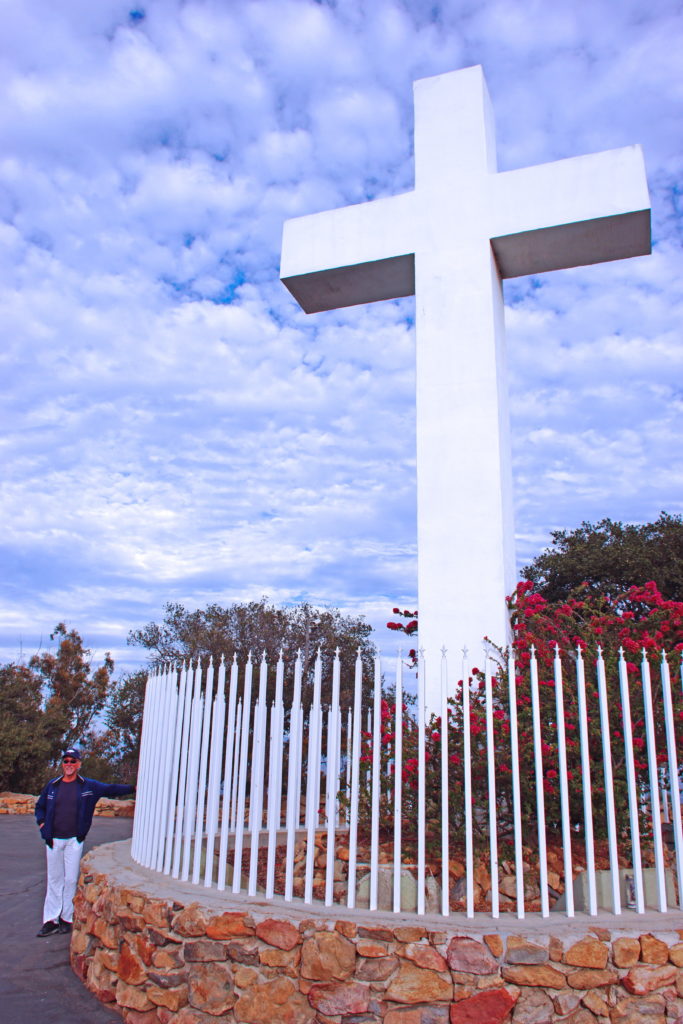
x,y
258,626
118,747
24,746
46,705
74,692
609,557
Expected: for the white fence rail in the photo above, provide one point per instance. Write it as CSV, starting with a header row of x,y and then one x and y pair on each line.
x,y
525,793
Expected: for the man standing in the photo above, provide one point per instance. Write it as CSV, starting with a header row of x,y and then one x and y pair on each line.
x,y
64,813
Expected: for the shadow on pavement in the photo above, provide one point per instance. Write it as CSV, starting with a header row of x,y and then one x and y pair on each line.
x,y
36,980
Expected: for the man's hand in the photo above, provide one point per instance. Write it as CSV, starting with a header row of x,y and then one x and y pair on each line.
x,y
48,842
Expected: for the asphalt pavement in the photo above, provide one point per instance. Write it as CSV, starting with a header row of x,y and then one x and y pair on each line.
x,y
36,980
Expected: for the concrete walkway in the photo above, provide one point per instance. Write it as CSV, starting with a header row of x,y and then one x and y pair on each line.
x,y
36,980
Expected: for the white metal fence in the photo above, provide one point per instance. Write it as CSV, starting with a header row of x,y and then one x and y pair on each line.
x,y
523,794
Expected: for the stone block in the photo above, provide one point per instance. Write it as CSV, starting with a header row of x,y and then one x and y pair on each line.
x,y
376,934
413,984
534,1007
101,982
339,997
280,957
243,951
520,951
205,951
409,934
142,947
369,949
346,928
425,956
156,913
492,1007
280,934
189,1015
167,958
653,950
555,949
171,998
327,956
167,979
495,944
417,1015
139,1017
224,926
79,942
130,922
210,987
541,976
191,921
641,980
130,968
587,977
595,1003
132,997
587,953
565,1002
469,956
626,952
580,1016
161,938
376,969
274,1002
650,1010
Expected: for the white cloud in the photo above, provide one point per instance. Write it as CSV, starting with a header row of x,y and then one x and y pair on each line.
x,y
173,427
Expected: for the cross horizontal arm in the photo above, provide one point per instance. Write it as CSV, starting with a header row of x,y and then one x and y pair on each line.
x,y
361,253
587,209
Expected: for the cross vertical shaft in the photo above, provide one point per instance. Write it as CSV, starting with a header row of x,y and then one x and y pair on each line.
x,y
463,466
451,241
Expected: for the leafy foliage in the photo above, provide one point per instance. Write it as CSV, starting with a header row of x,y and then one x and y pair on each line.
x,y
24,745
638,619
259,626
609,557
47,705
113,755
75,693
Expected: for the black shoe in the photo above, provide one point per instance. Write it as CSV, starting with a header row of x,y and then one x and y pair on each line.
x,y
64,926
49,928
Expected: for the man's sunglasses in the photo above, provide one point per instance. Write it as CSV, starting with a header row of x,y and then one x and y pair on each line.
x,y
69,760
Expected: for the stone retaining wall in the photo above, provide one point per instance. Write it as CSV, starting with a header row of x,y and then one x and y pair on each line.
x,y
162,960
24,803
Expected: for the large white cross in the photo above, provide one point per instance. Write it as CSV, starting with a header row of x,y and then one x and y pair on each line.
x,y
450,242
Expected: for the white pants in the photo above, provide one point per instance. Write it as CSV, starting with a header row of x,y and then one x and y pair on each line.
x,y
63,861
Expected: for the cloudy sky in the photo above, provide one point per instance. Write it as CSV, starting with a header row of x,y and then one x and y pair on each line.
x,y
174,428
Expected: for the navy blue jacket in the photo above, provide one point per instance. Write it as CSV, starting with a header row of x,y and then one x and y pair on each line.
x,y
89,792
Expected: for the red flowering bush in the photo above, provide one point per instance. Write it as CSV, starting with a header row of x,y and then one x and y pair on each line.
x,y
636,621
